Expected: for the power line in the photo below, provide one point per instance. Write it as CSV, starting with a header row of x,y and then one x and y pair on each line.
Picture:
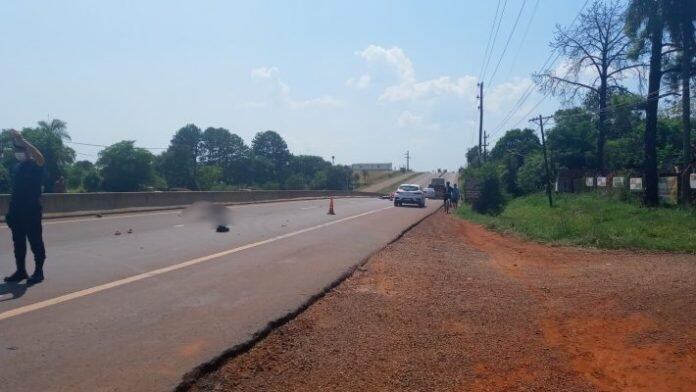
x,y
105,146
547,65
495,37
587,111
507,43
488,43
524,38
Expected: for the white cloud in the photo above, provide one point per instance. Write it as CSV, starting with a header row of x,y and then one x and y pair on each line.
x,y
408,119
409,88
444,85
394,57
279,92
323,101
265,73
504,95
360,83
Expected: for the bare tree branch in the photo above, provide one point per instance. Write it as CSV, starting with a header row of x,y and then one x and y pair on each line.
x,y
626,68
578,84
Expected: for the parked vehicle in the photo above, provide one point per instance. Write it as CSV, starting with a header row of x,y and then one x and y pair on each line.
x,y
429,193
409,194
438,184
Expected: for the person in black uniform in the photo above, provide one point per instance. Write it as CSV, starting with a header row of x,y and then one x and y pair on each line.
x,y
24,214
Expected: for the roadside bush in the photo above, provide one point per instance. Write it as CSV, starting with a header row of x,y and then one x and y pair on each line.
x,y
491,200
530,177
92,182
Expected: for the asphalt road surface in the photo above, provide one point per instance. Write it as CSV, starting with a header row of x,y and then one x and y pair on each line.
x,y
135,311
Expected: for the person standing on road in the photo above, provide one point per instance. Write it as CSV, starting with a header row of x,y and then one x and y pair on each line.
x,y
447,197
24,214
455,197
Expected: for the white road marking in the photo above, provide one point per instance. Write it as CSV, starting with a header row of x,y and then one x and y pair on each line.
x,y
309,208
178,225
96,289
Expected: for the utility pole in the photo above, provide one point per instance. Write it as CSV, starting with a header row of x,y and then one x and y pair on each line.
x,y
485,145
408,161
540,121
480,107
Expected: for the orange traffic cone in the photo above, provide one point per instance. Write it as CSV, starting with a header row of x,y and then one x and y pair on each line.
x,y
331,207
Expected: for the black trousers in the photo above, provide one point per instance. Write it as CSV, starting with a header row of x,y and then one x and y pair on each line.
x,y
26,225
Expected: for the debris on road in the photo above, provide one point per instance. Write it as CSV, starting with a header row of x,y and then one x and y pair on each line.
x,y
130,231
217,214
117,232
485,313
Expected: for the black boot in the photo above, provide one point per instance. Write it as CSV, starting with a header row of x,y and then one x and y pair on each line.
x,y
37,276
18,276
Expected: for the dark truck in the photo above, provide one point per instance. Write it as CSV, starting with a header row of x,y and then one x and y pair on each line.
x,y
438,184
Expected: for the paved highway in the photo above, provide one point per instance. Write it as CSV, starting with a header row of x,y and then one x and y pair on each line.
x,y
135,311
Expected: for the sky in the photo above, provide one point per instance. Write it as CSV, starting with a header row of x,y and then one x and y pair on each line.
x,y
364,81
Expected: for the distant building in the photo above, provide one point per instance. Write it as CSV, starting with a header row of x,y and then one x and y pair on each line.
x,y
371,166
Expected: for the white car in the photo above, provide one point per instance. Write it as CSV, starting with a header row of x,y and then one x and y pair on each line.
x,y
429,193
409,194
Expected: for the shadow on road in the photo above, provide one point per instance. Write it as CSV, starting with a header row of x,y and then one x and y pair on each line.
x,y
9,291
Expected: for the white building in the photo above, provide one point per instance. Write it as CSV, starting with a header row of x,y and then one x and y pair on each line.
x,y
371,166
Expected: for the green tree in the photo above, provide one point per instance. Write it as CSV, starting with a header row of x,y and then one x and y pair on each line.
x,y
209,176
510,151
179,164
598,45
227,151
531,176
92,182
472,157
571,142
271,146
77,172
125,168
261,170
338,177
56,127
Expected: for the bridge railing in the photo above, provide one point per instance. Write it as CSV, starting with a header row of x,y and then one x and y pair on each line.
x,y
58,204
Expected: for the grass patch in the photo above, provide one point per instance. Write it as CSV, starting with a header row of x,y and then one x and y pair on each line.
x,y
392,187
594,220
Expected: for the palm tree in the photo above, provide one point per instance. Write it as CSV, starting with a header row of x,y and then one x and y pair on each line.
x,y
56,127
679,19
645,26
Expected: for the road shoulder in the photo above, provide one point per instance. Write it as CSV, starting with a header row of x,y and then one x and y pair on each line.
x,y
451,306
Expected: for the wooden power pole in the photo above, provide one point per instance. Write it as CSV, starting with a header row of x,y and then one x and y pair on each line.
x,y
480,143
541,120
485,145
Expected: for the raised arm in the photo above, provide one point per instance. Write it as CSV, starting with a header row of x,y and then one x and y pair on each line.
x,y
32,151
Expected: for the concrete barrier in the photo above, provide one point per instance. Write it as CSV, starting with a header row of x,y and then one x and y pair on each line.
x,y
67,204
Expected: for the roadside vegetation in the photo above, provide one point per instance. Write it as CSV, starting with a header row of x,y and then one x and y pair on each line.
x,y
607,127
593,220
196,159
